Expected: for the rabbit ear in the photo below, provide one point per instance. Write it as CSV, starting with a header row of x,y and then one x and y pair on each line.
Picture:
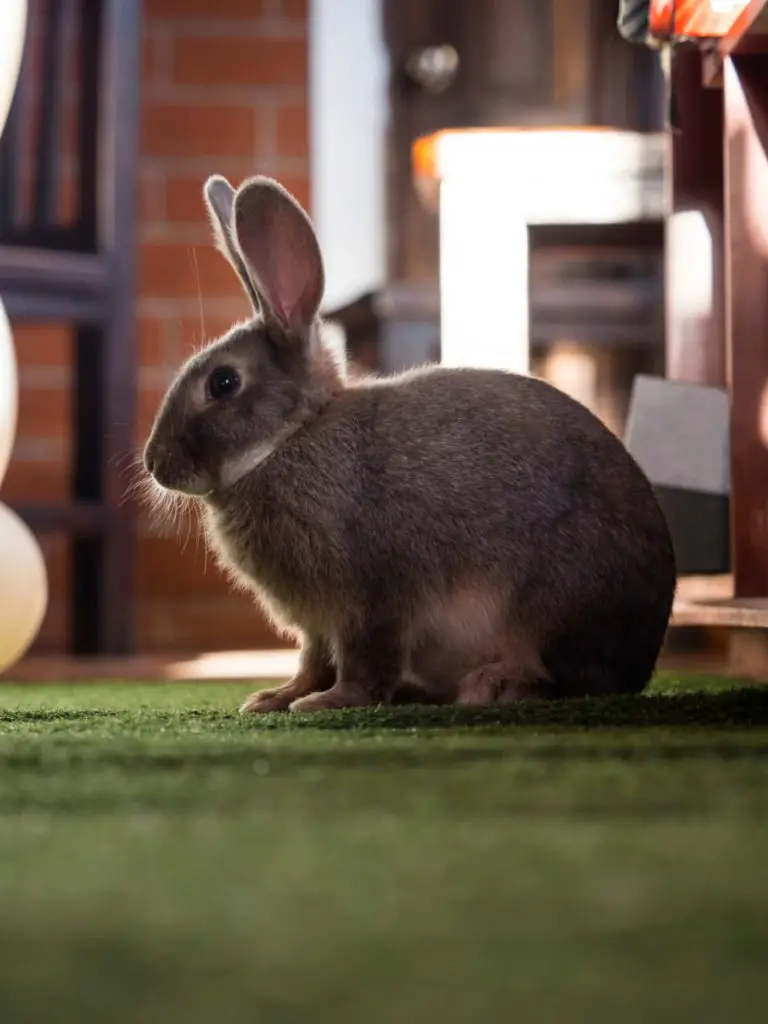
x,y
281,252
219,199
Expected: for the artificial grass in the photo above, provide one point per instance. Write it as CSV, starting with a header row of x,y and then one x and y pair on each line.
x,y
163,859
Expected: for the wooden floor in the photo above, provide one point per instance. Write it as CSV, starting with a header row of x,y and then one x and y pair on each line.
x,y
738,659
709,601
702,602
208,667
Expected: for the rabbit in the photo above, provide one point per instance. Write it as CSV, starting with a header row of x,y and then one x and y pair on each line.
x,y
464,536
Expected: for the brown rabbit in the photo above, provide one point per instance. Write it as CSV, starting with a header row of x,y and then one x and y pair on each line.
x,y
472,535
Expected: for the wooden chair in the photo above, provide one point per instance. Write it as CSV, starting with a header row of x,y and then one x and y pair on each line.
x,y
720,164
80,271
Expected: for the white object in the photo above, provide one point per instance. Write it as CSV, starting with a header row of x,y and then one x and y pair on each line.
x,y
693,246
8,392
23,588
679,434
494,184
562,175
13,26
484,252
348,124
23,578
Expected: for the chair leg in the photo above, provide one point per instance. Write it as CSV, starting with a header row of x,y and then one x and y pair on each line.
x,y
746,196
102,590
102,570
105,360
86,486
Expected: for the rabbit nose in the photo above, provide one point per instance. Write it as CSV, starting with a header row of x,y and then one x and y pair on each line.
x,y
150,459
159,465
155,459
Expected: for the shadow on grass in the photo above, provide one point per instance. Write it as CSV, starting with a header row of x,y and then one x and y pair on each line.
x,y
747,707
744,708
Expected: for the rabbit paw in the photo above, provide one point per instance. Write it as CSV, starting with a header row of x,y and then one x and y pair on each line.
x,y
500,683
278,699
344,695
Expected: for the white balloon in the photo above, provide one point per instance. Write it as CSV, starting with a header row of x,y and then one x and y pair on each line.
x,y
8,392
13,25
23,588
23,579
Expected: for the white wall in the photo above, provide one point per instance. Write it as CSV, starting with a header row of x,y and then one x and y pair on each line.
x,y
348,110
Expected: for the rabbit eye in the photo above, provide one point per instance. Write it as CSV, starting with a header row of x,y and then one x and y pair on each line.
x,y
223,381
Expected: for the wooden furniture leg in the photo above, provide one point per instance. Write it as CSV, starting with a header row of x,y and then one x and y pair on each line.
x,y
746,241
694,294
105,364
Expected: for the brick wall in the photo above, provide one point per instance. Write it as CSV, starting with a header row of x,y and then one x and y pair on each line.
x,y
224,89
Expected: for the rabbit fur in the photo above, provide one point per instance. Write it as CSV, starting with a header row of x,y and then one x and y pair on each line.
x,y
445,535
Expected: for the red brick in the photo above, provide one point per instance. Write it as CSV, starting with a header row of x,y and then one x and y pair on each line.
x,y
169,567
178,604
35,481
151,197
44,413
148,406
42,344
184,200
56,552
149,55
152,341
298,9
230,622
184,196
191,130
293,130
52,637
194,334
204,8
153,51
219,61
184,271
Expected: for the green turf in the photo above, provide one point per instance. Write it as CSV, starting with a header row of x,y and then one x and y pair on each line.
x,y
164,860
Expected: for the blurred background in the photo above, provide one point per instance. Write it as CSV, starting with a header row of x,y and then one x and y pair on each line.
x,y
109,277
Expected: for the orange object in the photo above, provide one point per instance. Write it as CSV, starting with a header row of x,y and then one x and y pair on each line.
x,y
693,19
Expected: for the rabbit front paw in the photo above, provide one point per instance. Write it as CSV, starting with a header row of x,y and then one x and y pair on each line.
x,y
342,695
501,683
279,698
316,672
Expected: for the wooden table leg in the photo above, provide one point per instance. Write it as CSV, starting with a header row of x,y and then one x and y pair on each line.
x,y
746,244
694,294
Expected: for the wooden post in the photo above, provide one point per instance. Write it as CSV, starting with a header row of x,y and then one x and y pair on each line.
x,y
694,299
746,245
105,358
